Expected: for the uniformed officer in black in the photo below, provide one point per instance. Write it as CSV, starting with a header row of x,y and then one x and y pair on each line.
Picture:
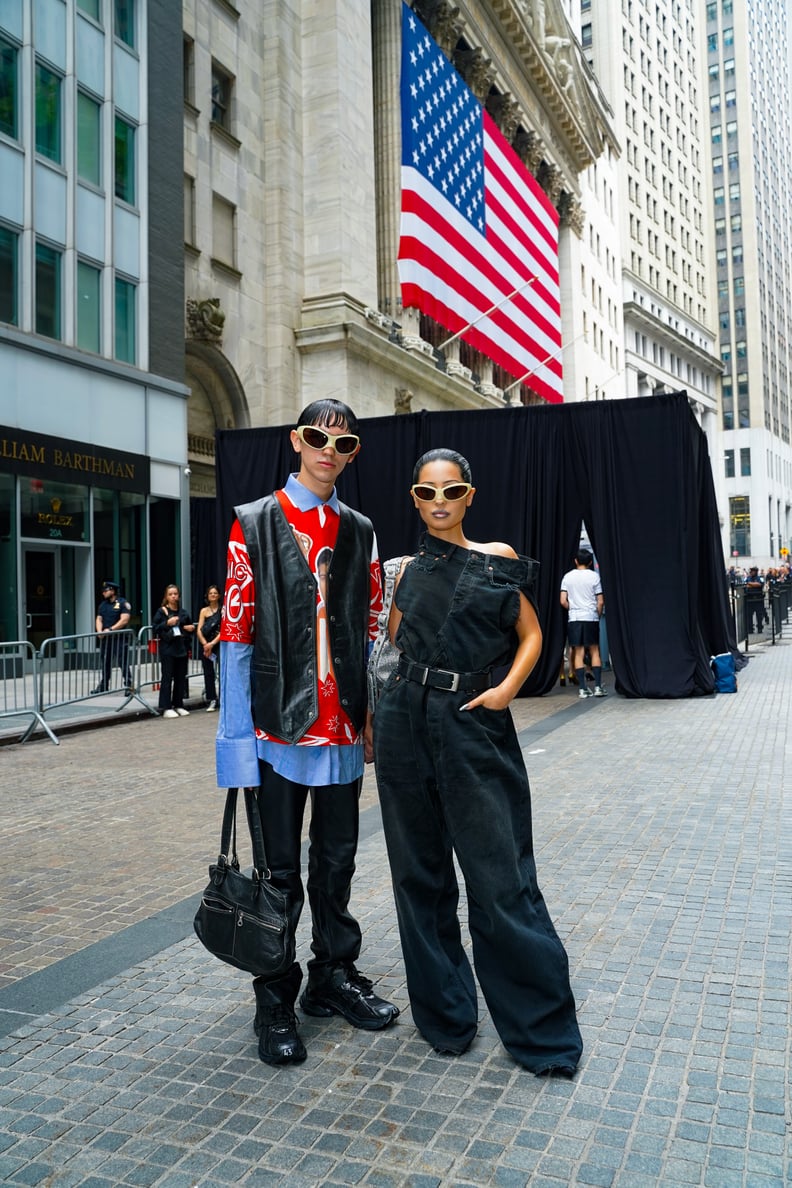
x,y
113,615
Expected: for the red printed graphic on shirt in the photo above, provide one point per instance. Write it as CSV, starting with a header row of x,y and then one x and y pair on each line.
x,y
315,532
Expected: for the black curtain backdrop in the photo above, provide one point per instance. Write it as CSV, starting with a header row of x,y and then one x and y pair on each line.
x,y
637,472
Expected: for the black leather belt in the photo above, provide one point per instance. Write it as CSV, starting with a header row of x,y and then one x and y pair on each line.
x,y
443,678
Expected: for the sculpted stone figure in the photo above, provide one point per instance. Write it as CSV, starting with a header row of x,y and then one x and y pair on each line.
x,y
205,319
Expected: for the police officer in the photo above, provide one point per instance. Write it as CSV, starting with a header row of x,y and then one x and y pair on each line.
x,y
113,615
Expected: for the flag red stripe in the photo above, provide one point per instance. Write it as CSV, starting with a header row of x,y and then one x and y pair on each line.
x,y
413,203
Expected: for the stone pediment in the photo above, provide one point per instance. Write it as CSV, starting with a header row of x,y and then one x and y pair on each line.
x,y
559,74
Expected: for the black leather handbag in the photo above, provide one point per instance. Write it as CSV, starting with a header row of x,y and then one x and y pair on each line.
x,y
241,918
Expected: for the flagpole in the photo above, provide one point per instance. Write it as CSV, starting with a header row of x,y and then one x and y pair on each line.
x,y
547,359
439,350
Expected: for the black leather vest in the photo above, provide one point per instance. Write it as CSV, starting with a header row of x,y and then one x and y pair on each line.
x,y
285,679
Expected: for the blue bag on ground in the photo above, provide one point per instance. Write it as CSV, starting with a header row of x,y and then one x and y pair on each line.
x,y
723,671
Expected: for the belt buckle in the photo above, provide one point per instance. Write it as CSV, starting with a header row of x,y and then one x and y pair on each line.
x,y
454,686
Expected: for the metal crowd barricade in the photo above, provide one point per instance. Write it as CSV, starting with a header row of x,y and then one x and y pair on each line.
x,y
74,668
19,686
149,673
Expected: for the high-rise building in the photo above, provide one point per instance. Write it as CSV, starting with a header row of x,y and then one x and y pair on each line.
x,y
648,61
92,399
748,90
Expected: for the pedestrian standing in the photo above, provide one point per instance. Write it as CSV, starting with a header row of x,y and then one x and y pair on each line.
x,y
113,616
582,597
300,610
452,783
172,627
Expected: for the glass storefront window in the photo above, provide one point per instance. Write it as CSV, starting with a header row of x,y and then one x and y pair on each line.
x,y
55,512
8,557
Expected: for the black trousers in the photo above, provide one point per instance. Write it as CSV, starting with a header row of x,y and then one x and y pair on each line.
x,y
115,651
333,838
454,783
173,677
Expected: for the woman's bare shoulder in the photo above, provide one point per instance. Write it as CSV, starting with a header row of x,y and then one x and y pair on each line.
x,y
496,548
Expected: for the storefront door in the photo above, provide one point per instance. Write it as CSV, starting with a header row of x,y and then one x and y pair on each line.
x,y
41,610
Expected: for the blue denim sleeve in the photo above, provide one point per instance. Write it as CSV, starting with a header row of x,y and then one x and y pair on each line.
x,y
235,748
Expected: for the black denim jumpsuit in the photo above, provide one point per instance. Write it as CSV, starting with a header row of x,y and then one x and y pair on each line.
x,y
454,781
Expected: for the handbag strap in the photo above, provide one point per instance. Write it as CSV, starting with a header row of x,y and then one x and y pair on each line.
x,y
256,834
228,832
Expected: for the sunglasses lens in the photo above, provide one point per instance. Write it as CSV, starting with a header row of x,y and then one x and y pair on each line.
x,y
455,491
316,438
346,445
425,494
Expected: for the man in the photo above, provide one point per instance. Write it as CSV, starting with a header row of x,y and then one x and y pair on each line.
x,y
113,615
754,600
581,595
300,611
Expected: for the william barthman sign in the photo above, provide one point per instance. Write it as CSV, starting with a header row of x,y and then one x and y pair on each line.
x,y
39,456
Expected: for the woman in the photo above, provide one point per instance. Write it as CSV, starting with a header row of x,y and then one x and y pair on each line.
x,y
452,781
208,631
172,626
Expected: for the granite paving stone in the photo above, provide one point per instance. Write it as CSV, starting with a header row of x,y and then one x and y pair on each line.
x,y
127,1055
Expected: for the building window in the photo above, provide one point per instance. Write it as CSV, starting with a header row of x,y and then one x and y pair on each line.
x,y
48,294
222,92
728,463
189,210
188,70
9,276
125,321
89,307
48,113
91,7
223,231
586,39
124,22
9,86
124,161
740,525
745,460
89,139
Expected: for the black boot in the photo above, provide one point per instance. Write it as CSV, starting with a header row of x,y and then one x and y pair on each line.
x,y
275,1023
344,991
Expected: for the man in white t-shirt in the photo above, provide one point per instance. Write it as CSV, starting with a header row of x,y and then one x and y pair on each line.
x,y
581,595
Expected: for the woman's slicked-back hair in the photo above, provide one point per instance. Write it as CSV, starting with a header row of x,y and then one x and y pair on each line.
x,y
443,455
329,413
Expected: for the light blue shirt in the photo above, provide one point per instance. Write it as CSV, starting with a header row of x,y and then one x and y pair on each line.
x,y
237,749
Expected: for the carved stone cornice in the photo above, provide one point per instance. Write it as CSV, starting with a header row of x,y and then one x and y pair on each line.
x,y
476,70
552,62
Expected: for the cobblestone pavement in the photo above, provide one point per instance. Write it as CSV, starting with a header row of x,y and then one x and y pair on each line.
x,y
662,833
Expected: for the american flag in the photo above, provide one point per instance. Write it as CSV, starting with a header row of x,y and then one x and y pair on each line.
x,y
475,226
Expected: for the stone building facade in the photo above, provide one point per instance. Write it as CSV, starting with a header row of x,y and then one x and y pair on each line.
x,y
292,192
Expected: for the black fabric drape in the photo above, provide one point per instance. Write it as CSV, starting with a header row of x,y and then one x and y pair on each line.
x,y
203,553
636,471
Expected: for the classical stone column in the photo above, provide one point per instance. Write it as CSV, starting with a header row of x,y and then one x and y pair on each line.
x,y
386,33
339,205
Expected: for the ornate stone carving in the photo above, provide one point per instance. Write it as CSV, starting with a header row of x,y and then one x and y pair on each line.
x,y
529,148
443,22
402,401
476,70
571,211
205,319
505,112
551,179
